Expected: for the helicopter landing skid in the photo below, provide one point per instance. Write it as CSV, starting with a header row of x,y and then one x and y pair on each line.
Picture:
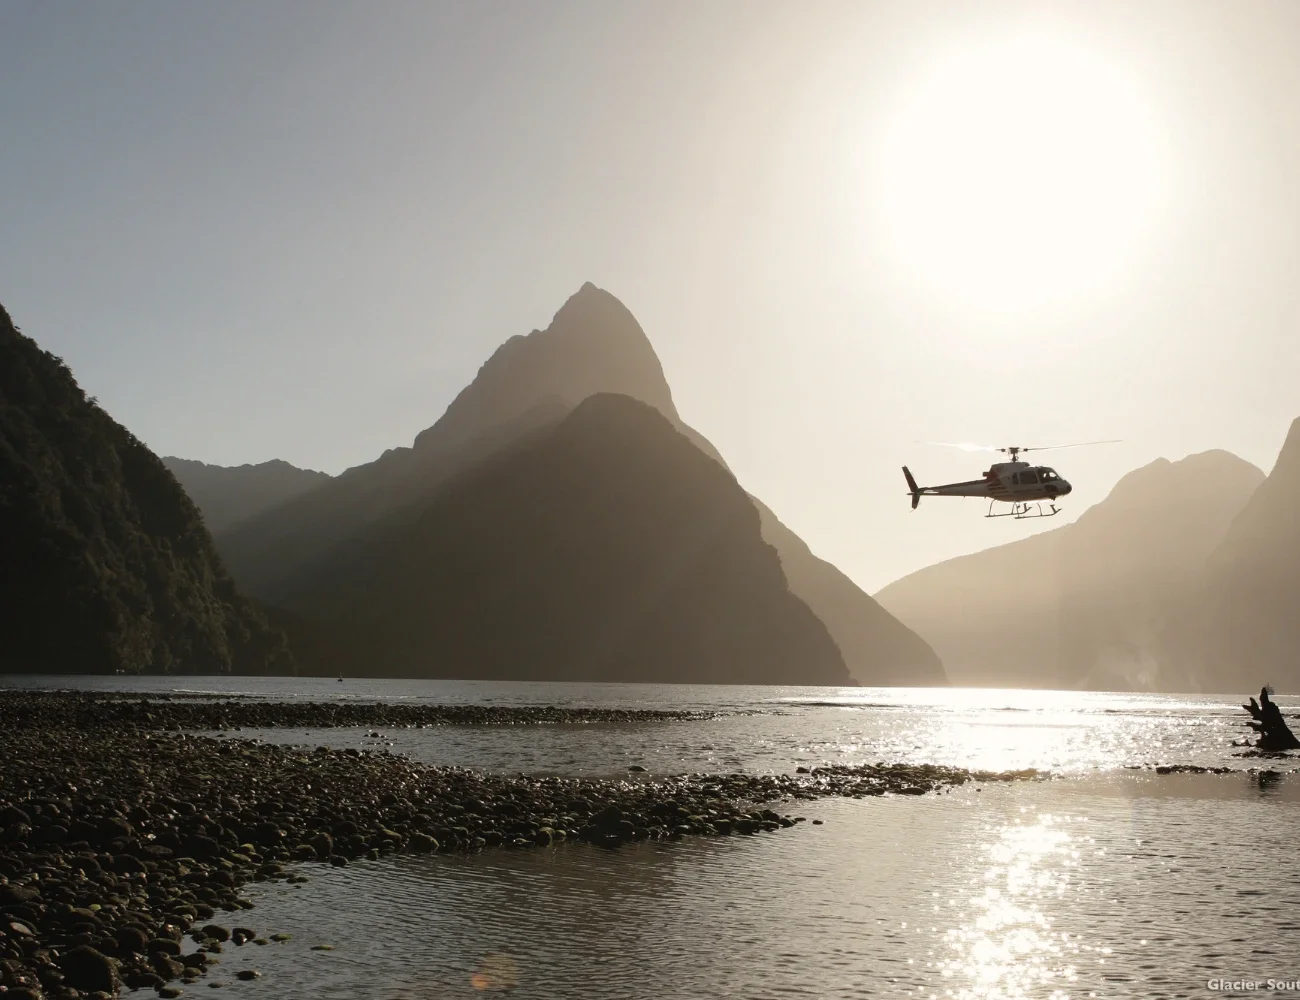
x,y
1022,510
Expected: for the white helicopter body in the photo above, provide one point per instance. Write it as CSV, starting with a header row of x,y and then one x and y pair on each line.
x,y
1025,487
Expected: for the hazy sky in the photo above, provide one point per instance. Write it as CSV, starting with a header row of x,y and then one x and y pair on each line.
x,y
295,229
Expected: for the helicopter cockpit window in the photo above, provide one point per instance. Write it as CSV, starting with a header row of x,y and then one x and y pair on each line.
x,y
1049,475
1028,477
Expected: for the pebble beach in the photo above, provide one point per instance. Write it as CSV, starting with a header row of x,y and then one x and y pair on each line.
x,y
127,838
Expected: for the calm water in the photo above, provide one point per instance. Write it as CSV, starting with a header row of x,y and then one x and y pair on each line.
x,y
1107,882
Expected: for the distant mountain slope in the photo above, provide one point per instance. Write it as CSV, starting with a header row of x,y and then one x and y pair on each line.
x,y
291,555
107,565
227,495
1253,595
1101,603
606,547
879,648
308,554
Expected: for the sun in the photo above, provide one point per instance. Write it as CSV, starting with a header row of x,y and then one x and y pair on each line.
x,y
1017,172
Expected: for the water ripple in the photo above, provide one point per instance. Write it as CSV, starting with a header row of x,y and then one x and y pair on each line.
x,y
1094,887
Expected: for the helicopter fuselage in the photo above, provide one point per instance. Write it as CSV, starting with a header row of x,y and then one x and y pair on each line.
x,y
1016,483
1025,487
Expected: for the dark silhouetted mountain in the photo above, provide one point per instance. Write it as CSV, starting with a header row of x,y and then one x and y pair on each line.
x,y
303,555
605,547
1098,604
227,495
592,345
1251,619
107,565
310,554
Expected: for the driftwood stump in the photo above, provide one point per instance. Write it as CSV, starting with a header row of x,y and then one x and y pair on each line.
x,y
1274,734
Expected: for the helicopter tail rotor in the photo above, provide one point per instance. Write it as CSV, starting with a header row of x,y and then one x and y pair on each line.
x,y
911,485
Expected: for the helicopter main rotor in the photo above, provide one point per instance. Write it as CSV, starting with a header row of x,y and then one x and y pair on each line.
x,y
1014,450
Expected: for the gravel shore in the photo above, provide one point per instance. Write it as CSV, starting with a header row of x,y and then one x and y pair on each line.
x,y
94,710
119,835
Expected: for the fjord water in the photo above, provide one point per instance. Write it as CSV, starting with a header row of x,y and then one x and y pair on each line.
x,y
767,728
1109,880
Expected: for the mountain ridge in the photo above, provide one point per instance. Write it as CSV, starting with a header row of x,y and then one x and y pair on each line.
x,y
593,345
228,494
1098,603
108,566
603,547
1254,579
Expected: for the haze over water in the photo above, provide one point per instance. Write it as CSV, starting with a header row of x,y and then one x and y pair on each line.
x,y
1110,880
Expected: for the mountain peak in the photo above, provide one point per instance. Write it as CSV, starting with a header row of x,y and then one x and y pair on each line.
x,y
606,547
593,312
1154,484
591,366
1289,456
593,344
1271,513
1254,579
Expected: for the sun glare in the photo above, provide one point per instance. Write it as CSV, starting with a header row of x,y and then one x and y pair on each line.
x,y
1017,173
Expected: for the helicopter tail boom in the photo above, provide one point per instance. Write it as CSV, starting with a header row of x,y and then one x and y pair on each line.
x,y
911,485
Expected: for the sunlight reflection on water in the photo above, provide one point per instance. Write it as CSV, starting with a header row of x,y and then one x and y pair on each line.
x,y
988,728
807,735
1008,949
1114,887
1105,883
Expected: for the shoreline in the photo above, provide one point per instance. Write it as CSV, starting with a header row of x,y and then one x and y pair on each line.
x,y
119,835
22,708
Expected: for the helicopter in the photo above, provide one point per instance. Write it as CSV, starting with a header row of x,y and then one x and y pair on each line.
x,y
1025,487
